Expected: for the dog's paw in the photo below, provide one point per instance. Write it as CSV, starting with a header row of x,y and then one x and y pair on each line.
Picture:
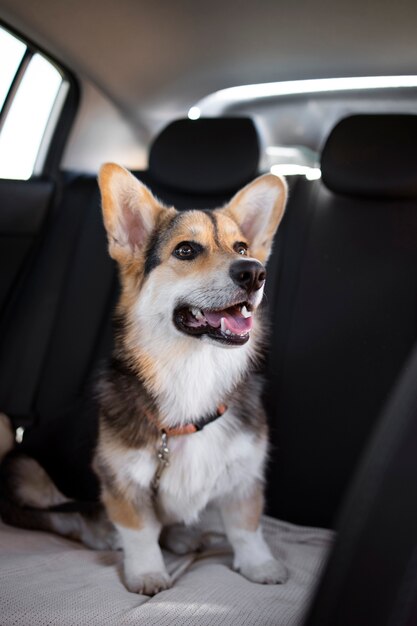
x,y
148,584
270,572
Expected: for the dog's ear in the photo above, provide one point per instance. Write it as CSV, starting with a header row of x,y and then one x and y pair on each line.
x,y
130,211
258,209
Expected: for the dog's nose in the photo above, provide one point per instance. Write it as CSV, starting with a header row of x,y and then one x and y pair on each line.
x,y
248,274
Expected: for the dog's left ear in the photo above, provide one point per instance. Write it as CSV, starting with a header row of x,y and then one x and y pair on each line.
x,y
258,209
130,212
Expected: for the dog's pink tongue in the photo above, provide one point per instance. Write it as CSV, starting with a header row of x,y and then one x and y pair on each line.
x,y
233,319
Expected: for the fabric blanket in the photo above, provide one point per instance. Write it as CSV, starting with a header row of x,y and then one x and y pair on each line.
x,y
48,580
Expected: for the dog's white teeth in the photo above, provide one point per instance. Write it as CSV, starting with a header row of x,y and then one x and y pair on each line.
x,y
245,311
224,328
197,313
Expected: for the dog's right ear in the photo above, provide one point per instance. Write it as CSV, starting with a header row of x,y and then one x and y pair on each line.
x,y
130,212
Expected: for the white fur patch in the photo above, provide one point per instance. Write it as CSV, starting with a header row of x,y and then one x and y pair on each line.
x,y
138,466
206,466
253,558
144,566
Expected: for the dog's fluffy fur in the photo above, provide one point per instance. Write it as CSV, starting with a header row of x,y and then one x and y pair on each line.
x,y
173,365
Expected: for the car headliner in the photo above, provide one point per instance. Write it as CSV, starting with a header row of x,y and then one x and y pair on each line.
x,y
154,60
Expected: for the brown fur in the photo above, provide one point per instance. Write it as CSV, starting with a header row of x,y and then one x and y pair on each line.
x,y
124,252
247,513
122,511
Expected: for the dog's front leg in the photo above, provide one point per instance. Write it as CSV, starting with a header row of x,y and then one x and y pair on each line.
x,y
252,556
139,528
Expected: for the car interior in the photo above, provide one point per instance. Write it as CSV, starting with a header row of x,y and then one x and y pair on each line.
x,y
197,100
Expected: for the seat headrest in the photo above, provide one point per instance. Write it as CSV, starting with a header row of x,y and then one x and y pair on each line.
x,y
372,155
211,155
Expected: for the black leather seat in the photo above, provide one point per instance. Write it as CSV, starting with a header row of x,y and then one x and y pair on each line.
x,y
371,576
345,312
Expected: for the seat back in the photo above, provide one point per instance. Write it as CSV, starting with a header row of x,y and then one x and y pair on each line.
x,y
24,209
371,576
346,311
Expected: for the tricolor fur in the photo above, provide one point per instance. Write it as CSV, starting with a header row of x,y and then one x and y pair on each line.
x,y
188,335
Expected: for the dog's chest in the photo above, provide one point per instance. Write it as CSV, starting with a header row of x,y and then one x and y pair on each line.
x,y
192,383
203,466
207,466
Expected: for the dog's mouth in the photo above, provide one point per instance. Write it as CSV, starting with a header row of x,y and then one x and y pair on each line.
x,y
230,326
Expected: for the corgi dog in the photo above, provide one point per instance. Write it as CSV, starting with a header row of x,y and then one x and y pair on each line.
x,y
181,422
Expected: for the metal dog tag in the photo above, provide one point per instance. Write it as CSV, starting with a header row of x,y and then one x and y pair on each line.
x,y
163,460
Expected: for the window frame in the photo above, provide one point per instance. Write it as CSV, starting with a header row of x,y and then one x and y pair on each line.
x,y
52,154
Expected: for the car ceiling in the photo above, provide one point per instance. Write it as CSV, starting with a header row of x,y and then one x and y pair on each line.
x,y
156,59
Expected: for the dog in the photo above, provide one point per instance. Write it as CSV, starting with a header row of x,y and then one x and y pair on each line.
x,y
181,422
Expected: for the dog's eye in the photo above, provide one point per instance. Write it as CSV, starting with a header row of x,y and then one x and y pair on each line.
x,y
186,251
241,248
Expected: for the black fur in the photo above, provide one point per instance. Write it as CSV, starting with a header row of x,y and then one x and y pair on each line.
x,y
158,237
212,217
125,404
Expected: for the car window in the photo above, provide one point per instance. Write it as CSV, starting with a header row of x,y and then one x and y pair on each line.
x,y
32,93
11,54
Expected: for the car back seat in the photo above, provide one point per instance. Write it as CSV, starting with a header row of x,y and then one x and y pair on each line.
x,y
345,317
342,290
56,327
